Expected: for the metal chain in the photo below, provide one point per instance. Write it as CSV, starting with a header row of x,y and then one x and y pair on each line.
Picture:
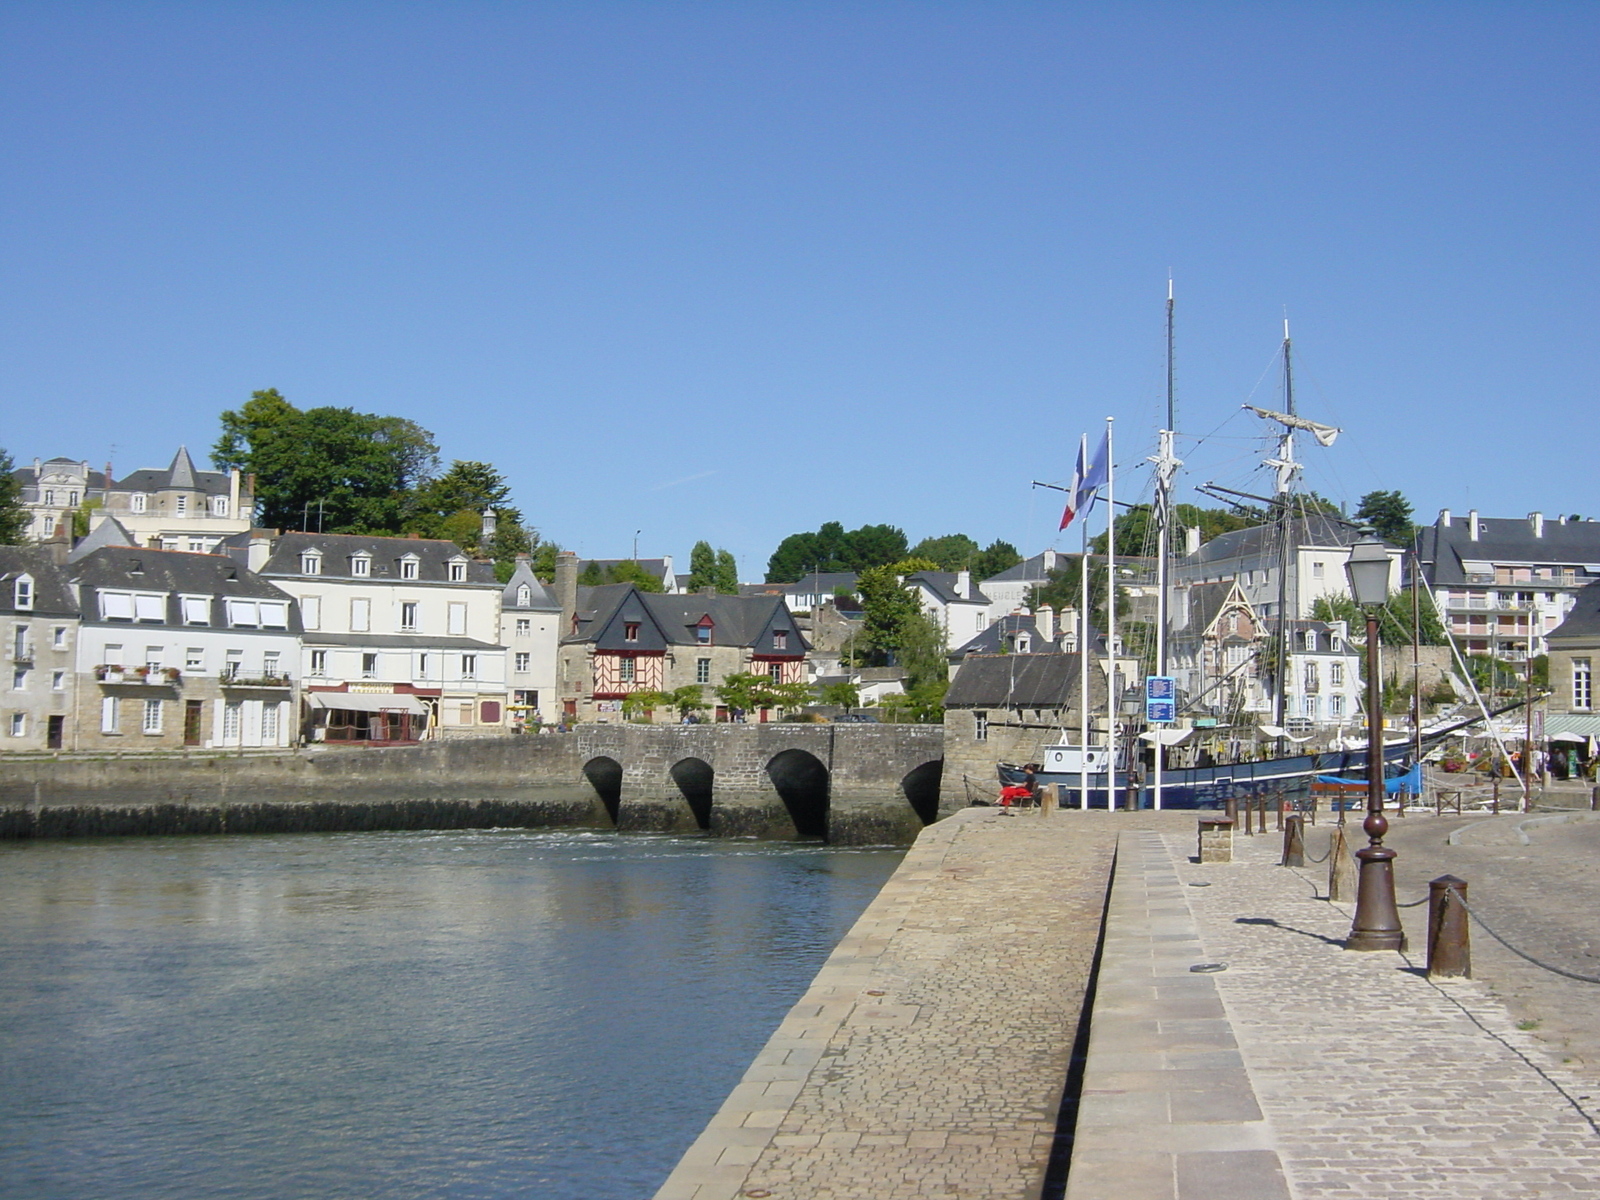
x,y
1523,954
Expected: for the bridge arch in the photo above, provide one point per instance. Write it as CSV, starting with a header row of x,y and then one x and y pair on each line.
x,y
604,774
803,784
921,788
695,778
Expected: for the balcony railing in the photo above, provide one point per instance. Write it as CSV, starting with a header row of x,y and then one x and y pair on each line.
x,y
255,681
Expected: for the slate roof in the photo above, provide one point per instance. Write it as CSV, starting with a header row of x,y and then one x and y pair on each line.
x,y
1310,529
1584,619
736,620
399,641
180,476
108,533
1029,570
542,599
1022,681
174,572
433,556
998,636
943,585
1206,602
1444,550
29,478
52,595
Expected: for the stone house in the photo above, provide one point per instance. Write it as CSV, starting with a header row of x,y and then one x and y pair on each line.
x,y
39,630
530,620
53,490
181,650
402,636
1574,648
180,507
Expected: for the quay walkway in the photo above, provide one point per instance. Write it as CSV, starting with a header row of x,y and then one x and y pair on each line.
x,y
932,1051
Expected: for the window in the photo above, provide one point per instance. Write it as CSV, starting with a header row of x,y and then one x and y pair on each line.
x,y
775,672
72,499
233,666
22,644
422,666
114,656
458,570
1582,683
152,715
369,666
1308,706
980,725
219,505
780,639
22,594
310,563
138,501
524,661
110,715
1336,643
408,567
702,632
625,670
194,659
116,606
149,608
458,619
19,679
360,614
49,497
58,637
197,545
630,631
319,662
269,724
196,610
524,626
244,614
232,714
408,615
19,724
702,670
361,565
469,666
1316,570
1336,674
274,614
1336,707
1311,677
1237,655
272,663
1310,641
58,681
152,657
524,596
311,612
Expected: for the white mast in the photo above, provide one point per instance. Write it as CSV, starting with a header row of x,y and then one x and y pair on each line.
x,y
1166,467
1111,623
1083,652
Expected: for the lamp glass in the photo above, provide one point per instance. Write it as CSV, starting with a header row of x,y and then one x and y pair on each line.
x,y
1368,571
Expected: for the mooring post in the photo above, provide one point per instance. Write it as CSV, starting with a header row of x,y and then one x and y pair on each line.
x,y
1449,948
1231,807
1261,815
1279,801
1294,849
1594,799
1341,868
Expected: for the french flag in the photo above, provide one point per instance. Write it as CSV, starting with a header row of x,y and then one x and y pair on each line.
x,y
1087,479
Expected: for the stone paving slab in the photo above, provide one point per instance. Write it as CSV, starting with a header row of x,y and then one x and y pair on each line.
x,y
938,1034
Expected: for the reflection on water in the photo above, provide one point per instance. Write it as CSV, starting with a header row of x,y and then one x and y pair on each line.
x,y
502,1013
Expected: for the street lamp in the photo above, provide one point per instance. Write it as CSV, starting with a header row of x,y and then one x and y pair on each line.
x,y
1377,920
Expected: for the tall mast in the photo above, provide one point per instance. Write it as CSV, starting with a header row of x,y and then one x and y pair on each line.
x,y
1166,468
1287,470
1111,623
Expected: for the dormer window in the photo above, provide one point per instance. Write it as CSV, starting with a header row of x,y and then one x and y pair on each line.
x,y
219,506
458,570
702,631
361,565
630,631
1336,643
780,639
22,593
138,501
311,563
408,567
1311,640
524,596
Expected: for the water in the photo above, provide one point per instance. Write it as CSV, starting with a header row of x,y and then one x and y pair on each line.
x,y
480,1014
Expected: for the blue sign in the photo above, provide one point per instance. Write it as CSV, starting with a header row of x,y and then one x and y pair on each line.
x,y
1160,699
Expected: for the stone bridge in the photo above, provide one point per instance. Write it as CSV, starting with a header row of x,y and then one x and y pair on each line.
x,y
850,784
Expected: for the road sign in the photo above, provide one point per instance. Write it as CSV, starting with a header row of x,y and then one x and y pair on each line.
x,y
1160,699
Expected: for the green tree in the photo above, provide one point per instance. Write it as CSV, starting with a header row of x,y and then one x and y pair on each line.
x,y
350,472
13,516
953,552
82,515
887,605
997,556
1389,514
636,704
628,571
1394,618
726,579
702,566
748,692
830,548
842,694
592,575
452,507
1136,535
1061,588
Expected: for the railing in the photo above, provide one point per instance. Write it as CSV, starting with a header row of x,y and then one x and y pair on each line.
x,y
255,681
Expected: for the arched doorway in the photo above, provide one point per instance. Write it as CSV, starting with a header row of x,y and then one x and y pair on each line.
x,y
921,788
605,776
694,778
802,783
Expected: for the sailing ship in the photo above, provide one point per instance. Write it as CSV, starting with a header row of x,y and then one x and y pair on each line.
x,y
1091,776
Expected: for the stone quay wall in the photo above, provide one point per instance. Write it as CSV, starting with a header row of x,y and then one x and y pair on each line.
x,y
849,784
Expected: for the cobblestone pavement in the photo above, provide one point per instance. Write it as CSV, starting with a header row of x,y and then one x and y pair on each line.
x,y
1544,898
1376,1082
929,1056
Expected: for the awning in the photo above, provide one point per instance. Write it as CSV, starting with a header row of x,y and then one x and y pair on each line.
x,y
1586,724
1167,737
368,702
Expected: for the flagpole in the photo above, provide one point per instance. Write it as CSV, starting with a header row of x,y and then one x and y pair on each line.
x,y
1111,623
1083,658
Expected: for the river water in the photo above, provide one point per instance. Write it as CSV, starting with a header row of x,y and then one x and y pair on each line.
x,y
479,1014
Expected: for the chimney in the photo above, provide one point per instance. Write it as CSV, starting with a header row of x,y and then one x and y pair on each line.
x,y
1536,520
234,510
486,535
1472,524
1191,540
1561,519
38,466
1045,619
964,584
1444,518
1049,560
257,552
567,588
59,543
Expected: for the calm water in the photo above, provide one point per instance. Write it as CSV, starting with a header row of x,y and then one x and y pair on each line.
x,y
375,1016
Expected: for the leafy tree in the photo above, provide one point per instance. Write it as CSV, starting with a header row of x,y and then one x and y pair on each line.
x,y
628,571
543,561
452,507
636,704
1389,514
887,605
713,568
1136,535
1394,619
830,548
13,516
874,546
842,694
953,552
1061,588
592,575
82,515
748,692
683,700
1213,521
996,557
353,471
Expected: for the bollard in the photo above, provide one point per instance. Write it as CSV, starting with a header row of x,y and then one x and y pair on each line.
x,y
1280,807
1497,794
1449,948
1294,849
1047,800
1261,815
1341,869
1594,799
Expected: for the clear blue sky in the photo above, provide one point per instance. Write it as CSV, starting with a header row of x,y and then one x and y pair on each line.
x,y
730,270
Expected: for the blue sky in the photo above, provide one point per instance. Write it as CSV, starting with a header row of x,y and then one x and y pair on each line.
x,y
730,270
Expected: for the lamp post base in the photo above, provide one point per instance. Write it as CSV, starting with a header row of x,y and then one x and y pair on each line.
x,y
1377,921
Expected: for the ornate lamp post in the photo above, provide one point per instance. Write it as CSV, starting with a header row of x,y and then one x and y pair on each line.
x,y
1377,921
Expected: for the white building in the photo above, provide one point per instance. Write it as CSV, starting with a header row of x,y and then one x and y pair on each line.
x,y
53,490
530,619
180,508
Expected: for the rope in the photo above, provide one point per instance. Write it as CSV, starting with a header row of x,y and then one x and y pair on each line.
x,y
1523,954
1413,904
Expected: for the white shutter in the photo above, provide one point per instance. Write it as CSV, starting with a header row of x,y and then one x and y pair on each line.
x,y
116,606
149,608
243,612
196,610
311,612
360,614
274,614
458,619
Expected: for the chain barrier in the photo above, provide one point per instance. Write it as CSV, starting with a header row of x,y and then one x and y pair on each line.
x,y
1565,974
